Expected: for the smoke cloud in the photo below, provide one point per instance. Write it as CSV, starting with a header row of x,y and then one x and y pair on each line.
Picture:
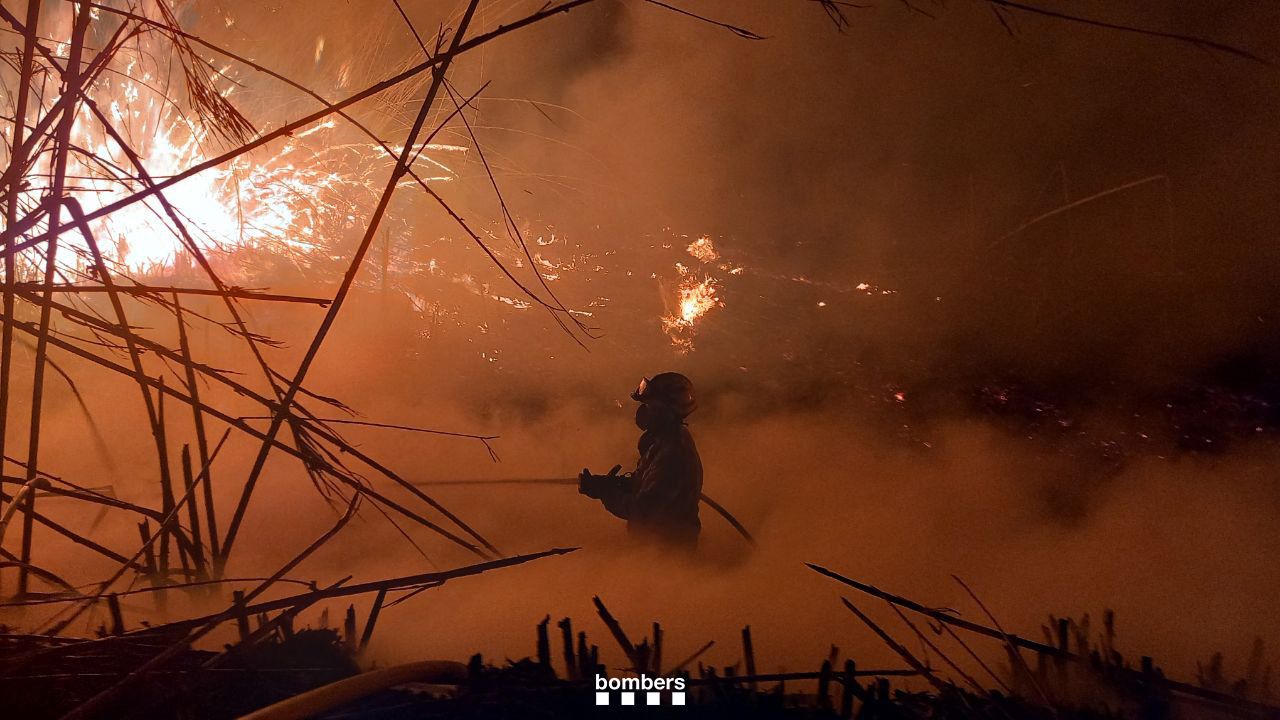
x,y
923,366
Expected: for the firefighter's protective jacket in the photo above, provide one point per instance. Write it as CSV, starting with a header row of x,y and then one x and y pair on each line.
x,y
660,499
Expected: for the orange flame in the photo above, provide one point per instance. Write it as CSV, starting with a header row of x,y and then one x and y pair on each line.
x,y
695,298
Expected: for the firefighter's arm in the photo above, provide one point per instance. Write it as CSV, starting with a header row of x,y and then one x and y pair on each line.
x,y
620,499
597,486
614,490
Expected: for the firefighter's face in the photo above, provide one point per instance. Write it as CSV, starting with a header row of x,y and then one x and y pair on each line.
x,y
644,416
649,417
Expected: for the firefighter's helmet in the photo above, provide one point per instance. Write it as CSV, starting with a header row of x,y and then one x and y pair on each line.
x,y
669,389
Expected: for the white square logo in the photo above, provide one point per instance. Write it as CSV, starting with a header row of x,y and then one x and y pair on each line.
x,y
646,690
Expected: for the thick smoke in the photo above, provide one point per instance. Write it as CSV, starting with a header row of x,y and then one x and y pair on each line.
x,y
1072,415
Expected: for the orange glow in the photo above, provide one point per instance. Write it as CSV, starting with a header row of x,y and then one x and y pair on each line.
x,y
285,198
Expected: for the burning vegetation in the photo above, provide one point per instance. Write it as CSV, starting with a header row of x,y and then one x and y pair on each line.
x,y
694,299
184,245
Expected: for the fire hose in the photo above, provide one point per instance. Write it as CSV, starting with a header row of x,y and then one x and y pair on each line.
x,y
706,500
327,697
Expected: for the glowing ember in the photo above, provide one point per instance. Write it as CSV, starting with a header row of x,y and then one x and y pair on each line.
x,y
703,250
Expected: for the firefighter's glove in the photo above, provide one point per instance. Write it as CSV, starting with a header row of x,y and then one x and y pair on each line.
x,y
597,486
